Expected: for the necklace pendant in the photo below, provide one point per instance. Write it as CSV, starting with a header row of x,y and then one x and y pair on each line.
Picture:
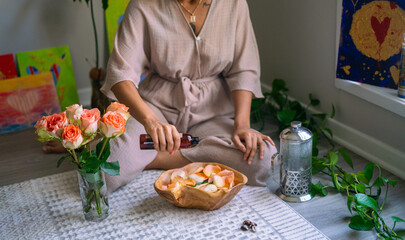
x,y
192,18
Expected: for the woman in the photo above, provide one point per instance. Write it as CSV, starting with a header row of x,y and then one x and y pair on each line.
x,y
204,70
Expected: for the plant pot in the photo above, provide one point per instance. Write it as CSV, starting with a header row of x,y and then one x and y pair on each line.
x,y
93,192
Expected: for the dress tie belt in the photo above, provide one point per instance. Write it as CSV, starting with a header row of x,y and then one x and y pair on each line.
x,y
185,93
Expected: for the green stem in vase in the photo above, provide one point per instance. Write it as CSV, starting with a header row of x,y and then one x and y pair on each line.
x,y
73,153
98,205
105,140
90,196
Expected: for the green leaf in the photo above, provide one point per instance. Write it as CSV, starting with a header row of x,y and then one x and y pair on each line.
x,y
361,177
111,168
318,165
349,203
369,170
92,164
320,189
84,155
105,4
279,85
60,161
315,151
391,182
378,182
98,184
365,200
257,103
280,99
333,157
332,115
313,101
321,116
106,153
400,232
329,132
361,188
349,178
286,116
359,224
346,157
397,219
92,177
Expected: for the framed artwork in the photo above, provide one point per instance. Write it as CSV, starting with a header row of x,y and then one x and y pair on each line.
x,y
58,62
24,100
113,17
371,36
7,67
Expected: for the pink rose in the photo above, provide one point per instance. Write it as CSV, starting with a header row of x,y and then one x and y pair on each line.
x,y
40,130
90,121
120,108
112,124
72,137
55,124
73,112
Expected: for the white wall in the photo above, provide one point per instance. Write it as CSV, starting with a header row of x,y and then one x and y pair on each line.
x,y
27,25
299,46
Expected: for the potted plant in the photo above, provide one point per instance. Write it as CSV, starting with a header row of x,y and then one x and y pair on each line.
x,y
97,73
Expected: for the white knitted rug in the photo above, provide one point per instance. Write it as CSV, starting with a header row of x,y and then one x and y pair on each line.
x,y
50,208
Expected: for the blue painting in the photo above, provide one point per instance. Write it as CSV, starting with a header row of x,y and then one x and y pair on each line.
x,y
370,41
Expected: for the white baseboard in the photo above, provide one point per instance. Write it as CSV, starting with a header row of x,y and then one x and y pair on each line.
x,y
366,146
85,96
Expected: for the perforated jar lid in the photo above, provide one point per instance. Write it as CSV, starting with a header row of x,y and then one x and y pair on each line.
x,y
296,133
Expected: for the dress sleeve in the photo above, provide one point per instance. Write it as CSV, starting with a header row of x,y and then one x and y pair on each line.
x,y
129,58
244,74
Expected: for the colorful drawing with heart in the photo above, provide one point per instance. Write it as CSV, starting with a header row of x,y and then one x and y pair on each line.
x,y
370,41
24,100
58,62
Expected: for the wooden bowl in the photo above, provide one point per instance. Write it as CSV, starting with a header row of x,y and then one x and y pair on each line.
x,y
189,197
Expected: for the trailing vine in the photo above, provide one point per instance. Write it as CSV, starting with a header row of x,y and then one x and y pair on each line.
x,y
362,190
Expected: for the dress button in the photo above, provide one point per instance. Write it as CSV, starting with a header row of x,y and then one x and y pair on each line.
x,y
198,38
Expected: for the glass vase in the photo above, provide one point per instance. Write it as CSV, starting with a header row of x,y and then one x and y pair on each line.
x,y
93,191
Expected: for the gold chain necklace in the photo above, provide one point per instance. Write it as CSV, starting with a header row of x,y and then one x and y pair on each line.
x,y
192,17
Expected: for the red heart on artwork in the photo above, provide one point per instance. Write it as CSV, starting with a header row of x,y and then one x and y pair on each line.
x,y
23,101
380,28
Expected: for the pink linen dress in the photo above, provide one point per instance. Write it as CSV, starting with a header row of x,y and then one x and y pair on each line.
x,y
190,81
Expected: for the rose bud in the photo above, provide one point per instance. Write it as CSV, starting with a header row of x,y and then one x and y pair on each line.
x,y
112,124
40,130
55,124
72,137
74,112
90,121
120,108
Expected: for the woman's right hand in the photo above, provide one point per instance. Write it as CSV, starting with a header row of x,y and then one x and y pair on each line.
x,y
165,136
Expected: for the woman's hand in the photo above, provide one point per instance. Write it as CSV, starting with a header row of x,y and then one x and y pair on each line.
x,y
165,136
252,139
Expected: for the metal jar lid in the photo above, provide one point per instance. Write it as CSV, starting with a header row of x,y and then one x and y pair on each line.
x,y
296,133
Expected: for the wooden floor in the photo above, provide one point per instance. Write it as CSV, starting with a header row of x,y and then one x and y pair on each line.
x,y
21,159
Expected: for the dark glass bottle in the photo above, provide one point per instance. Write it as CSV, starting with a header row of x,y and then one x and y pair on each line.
x,y
187,141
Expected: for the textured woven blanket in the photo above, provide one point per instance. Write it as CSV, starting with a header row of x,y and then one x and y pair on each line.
x,y
50,208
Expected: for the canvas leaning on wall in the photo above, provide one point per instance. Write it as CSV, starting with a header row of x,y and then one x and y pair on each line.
x,y
58,62
24,100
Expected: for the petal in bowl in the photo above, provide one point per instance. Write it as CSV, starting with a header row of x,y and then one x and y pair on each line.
x,y
190,197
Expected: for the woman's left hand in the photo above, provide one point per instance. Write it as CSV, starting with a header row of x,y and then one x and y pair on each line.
x,y
252,139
